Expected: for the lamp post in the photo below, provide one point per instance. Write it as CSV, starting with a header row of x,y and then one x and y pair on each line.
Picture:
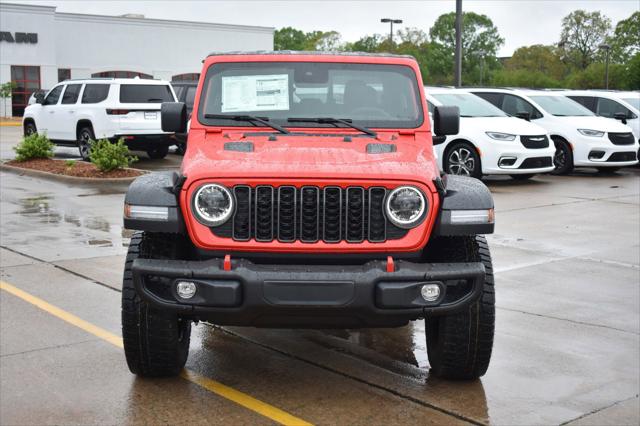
x,y
391,22
607,49
483,55
458,54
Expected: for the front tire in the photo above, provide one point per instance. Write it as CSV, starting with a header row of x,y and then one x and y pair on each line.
x,y
158,153
85,139
156,343
462,159
459,345
563,157
30,128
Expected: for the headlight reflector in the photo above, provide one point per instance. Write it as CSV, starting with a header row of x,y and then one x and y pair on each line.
x,y
592,133
212,204
405,206
501,136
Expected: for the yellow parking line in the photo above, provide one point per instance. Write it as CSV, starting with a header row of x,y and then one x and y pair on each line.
x,y
211,385
10,124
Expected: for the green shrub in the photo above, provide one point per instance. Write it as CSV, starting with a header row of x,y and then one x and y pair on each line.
x,y
109,156
34,146
70,163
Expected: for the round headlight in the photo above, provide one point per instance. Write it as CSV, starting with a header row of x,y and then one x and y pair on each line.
x,y
405,206
212,204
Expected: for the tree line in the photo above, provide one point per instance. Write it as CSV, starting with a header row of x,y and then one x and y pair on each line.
x,y
577,60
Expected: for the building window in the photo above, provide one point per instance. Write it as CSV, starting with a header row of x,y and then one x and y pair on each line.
x,y
186,77
64,74
121,74
27,81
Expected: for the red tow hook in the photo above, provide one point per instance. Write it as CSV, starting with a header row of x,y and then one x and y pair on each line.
x,y
226,265
391,266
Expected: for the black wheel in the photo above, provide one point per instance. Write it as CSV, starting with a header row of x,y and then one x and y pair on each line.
x,y
563,158
30,128
156,343
608,170
181,148
463,159
523,176
459,345
85,138
158,153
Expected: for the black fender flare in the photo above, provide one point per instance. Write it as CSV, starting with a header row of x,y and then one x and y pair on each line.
x,y
158,189
462,193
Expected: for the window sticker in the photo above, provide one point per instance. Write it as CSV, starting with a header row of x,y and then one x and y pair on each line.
x,y
255,93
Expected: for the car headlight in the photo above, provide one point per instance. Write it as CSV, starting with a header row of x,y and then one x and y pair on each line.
x,y
592,133
405,206
501,136
212,204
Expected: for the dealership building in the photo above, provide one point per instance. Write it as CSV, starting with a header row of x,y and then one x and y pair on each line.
x,y
40,47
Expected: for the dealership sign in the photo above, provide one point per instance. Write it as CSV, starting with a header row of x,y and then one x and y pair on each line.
x,y
31,38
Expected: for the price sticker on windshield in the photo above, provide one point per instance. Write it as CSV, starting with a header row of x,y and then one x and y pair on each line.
x,y
255,93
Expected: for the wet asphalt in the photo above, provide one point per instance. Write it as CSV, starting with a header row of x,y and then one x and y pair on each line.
x,y
567,348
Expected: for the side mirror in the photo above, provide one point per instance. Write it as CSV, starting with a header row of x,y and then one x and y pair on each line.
x,y
621,116
173,116
446,120
523,115
39,97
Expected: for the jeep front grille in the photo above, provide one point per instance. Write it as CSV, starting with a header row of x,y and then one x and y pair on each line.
x,y
309,214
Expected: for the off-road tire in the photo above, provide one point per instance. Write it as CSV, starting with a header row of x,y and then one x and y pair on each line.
x,y
158,153
156,343
563,157
85,137
459,345
523,176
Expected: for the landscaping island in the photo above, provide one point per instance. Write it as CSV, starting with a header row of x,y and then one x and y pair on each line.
x,y
73,168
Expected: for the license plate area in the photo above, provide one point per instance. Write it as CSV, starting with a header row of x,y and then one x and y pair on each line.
x,y
308,293
150,115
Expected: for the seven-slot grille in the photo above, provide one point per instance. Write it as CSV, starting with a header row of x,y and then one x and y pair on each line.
x,y
309,214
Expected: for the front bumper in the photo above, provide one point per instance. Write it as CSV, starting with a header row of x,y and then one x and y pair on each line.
x,y
311,296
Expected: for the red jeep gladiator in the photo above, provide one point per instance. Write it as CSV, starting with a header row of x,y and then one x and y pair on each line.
x,y
309,197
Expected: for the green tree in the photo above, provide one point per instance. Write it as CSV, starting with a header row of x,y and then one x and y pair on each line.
x,y
625,41
537,58
368,43
324,41
480,42
582,33
289,38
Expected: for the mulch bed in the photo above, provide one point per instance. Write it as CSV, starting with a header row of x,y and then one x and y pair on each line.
x,y
78,169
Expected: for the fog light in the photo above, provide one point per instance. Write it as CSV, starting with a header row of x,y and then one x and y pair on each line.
x,y
430,292
186,289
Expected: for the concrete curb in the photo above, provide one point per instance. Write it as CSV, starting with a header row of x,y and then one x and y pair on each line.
x,y
107,182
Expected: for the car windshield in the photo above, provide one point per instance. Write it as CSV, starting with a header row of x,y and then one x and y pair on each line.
x,y
561,106
470,105
368,95
634,102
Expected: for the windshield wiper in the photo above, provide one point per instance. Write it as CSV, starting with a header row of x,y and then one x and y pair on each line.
x,y
251,118
330,120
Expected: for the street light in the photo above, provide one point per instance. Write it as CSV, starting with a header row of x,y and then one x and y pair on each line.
x,y
607,49
391,22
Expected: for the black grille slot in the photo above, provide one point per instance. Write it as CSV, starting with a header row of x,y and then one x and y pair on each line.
x,y
622,156
309,214
355,218
535,142
621,138
332,214
377,220
264,213
242,216
536,163
287,213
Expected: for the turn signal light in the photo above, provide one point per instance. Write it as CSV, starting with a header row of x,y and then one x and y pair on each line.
x,y
117,111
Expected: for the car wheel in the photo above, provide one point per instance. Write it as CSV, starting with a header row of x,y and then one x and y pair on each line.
x,y
462,159
181,148
156,343
563,158
30,128
459,345
85,138
158,153
526,176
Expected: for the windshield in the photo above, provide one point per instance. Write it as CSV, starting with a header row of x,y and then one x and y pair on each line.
x,y
470,105
561,106
634,102
370,95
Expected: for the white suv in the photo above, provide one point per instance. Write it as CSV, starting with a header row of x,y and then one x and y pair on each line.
x,y
490,142
580,137
76,112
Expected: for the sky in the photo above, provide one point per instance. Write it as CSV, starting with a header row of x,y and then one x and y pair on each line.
x,y
520,22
